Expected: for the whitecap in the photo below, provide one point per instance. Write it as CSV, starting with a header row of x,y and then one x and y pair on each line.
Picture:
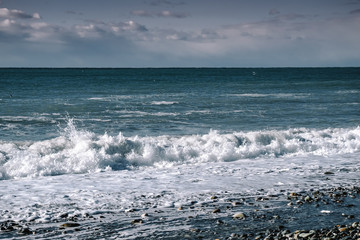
x,y
80,151
163,103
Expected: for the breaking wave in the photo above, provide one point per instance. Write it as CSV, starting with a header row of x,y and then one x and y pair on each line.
x,y
80,151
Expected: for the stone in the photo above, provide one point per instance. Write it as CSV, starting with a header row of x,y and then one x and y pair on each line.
x,y
130,210
64,215
69,225
342,229
235,235
219,222
239,215
144,215
217,210
25,231
307,199
137,221
305,235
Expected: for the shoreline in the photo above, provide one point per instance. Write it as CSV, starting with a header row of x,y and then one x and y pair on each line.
x,y
315,214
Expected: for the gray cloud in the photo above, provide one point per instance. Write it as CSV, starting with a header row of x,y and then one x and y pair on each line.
x,y
356,11
165,13
17,14
274,11
42,32
280,39
353,2
166,2
74,12
142,13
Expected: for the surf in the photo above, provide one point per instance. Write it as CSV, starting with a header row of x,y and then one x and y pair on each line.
x,y
80,151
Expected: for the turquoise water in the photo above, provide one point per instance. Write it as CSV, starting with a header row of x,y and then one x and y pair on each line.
x,y
36,103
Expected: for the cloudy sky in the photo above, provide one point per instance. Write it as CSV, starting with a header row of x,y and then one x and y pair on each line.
x,y
179,33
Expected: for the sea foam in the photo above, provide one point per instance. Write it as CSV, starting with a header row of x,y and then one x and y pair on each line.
x,y
81,151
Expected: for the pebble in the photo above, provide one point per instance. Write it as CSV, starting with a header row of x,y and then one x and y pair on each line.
x,y
144,215
239,215
219,222
130,210
338,232
306,235
217,210
236,204
308,199
294,194
69,225
137,221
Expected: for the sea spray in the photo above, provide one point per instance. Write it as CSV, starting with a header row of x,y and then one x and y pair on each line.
x,y
81,151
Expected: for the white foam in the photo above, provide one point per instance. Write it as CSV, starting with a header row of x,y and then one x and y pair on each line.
x,y
248,95
347,91
197,111
25,118
163,103
110,98
80,151
44,199
276,95
128,113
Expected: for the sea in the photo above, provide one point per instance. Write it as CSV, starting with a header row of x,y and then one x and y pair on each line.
x,y
78,142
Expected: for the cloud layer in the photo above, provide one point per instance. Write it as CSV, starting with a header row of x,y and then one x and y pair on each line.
x,y
164,13
279,38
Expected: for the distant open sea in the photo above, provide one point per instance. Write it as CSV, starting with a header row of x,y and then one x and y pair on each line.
x,y
98,139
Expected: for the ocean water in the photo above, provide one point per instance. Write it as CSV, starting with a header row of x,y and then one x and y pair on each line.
x,y
98,139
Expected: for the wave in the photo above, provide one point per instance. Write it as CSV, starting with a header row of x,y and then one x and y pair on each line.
x,y
127,113
163,103
275,95
80,151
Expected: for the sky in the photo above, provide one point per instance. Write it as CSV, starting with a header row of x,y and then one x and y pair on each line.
x,y
179,33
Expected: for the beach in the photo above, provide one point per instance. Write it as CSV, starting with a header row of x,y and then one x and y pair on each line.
x,y
318,214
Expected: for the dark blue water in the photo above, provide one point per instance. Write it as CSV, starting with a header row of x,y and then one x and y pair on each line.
x,y
36,103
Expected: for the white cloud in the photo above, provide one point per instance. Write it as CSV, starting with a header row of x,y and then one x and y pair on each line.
x,y
133,26
17,14
6,23
172,14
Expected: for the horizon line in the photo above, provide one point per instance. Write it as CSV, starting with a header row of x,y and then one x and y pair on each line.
x,y
170,67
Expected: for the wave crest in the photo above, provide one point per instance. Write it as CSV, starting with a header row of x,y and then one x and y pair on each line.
x,y
79,151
